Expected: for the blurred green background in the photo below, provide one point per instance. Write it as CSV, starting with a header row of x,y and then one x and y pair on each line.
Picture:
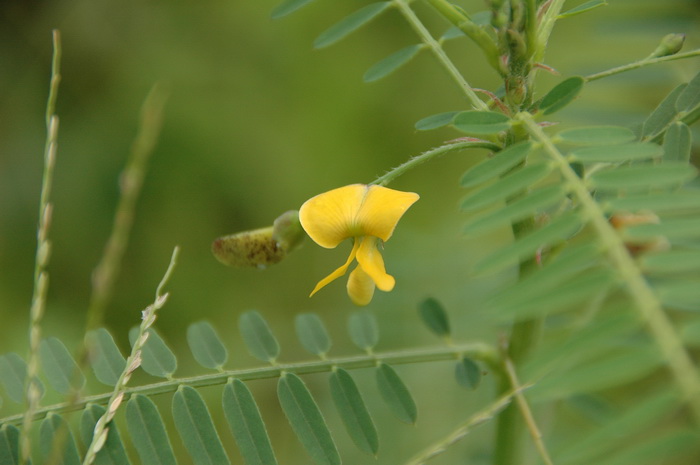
x,y
256,123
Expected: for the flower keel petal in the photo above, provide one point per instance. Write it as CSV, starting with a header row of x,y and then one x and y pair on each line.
x,y
360,287
372,263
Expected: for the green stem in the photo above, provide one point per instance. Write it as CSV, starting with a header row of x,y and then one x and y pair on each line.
x,y
646,301
430,154
640,64
478,351
439,53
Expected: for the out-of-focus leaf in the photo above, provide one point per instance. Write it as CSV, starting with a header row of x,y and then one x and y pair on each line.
x,y
59,367
663,114
288,7
54,426
112,452
597,135
690,97
497,165
396,394
156,357
436,121
617,153
193,422
306,420
582,8
312,334
9,445
353,411
680,294
363,330
658,201
561,95
672,261
644,176
391,63
434,316
468,373
257,336
206,346
478,123
506,186
677,143
670,228
247,425
13,372
350,24
107,362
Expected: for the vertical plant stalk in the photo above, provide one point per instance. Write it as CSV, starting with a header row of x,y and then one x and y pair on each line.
x,y
646,301
132,363
131,181
43,253
439,53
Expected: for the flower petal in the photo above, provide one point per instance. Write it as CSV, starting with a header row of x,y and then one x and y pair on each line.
x,y
382,209
360,287
339,271
372,263
328,218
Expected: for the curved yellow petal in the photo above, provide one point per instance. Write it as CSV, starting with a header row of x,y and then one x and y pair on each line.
x,y
329,218
339,271
382,209
360,287
372,263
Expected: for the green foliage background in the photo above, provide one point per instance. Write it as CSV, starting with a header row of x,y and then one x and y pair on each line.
x,y
256,123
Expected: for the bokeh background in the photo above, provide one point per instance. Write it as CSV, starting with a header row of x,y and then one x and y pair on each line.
x,y
257,122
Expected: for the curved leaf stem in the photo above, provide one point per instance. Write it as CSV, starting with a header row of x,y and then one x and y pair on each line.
x,y
640,64
646,301
439,53
394,173
478,351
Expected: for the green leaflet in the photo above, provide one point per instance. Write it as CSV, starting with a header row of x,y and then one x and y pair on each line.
x,y
529,205
112,452
559,229
206,346
288,7
147,432
306,420
597,135
247,425
662,115
107,361
436,121
391,63
156,357
561,95
506,186
689,98
681,294
481,122
468,373
54,426
350,24
670,228
59,367
497,165
353,411
658,201
663,447
193,422
582,8
396,394
678,143
677,261
644,176
257,336
13,371
312,334
434,316
363,330
9,445
617,153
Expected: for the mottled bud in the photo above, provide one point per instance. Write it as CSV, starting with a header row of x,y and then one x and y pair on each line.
x,y
669,45
260,247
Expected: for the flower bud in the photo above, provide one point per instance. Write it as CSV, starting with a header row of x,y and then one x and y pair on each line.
x,y
669,45
260,247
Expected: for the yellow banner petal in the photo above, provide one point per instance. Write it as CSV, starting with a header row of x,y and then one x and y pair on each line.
x,y
382,209
329,218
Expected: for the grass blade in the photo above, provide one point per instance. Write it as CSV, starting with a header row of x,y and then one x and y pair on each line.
x,y
147,432
396,394
193,422
107,362
247,425
306,420
353,411
206,346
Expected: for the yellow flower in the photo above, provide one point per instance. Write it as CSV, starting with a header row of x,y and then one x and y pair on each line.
x,y
368,214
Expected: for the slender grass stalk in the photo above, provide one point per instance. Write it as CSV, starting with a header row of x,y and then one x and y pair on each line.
x,y
394,173
640,64
646,301
132,363
439,53
43,254
478,351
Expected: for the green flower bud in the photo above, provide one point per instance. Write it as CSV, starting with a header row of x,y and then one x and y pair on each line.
x,y
669,45
262,247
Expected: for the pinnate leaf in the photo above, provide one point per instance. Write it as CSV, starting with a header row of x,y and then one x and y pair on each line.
x,y
54,426
434,316
350,24
257,336
108,363
312,334
147,432
363,330
644,176
506,186
497,165
353,411
391,63
288,7
663,114
658,201
561,95
59,367
582,8
156,357
690,97
475,122
468,373
597,135
396,394
677,143
13,372
206,346
617,153
436,121
9,445
112,452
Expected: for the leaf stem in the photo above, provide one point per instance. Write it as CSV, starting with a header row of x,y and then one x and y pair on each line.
x,y
439,53
394,173
43,253
640,64
644,298
478,351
